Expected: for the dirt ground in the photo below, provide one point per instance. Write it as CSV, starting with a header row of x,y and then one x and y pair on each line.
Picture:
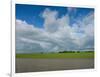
x,y
36,65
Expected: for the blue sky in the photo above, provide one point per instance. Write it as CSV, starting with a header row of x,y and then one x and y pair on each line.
x,y
51,28
32,13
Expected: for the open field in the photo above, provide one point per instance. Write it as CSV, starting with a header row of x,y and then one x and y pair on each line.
x,y
57,55
54,61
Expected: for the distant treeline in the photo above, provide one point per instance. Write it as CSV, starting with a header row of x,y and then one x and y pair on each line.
x,y
75,51
58,52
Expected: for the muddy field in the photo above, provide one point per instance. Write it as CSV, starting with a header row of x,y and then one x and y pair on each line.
x,y
36,65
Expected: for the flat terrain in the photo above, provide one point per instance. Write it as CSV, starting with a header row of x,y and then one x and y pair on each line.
x,y
36,65
57,55
53,61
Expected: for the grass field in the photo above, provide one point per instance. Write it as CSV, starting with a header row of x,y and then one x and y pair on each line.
x,y
54,61
57,55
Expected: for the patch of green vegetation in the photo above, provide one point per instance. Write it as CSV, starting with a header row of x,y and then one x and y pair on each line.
x,y
57,55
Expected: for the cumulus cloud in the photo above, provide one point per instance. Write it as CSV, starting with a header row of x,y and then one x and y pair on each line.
x,y
57,34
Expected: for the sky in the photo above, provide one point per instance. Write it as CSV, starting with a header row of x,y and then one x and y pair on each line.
x,y
53,28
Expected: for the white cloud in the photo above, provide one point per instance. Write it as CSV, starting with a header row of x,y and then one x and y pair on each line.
x,y
50,18
57,34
